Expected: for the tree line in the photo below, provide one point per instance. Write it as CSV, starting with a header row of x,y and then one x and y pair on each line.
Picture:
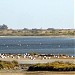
x,y
3,26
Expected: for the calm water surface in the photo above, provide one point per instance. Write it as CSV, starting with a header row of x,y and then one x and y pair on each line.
x,y
45,45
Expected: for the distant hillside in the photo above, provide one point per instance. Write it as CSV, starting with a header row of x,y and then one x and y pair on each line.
x,y
4,31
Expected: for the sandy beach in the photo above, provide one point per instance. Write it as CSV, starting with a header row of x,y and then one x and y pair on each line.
x,y
38,73
62,36
28,61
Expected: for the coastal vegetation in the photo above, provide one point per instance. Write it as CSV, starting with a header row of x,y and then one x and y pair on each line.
x,y
9,65
54,66
5,31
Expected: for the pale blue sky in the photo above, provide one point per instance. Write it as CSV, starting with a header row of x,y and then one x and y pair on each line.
x,y
37,13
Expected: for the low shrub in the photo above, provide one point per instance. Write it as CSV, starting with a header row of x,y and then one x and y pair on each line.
x,y
55,66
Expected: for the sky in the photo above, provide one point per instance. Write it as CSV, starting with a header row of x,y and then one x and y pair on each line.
x,y
19,14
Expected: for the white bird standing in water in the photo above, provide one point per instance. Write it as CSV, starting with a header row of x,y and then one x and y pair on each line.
x,y
40,43
20,44
59,46
7,46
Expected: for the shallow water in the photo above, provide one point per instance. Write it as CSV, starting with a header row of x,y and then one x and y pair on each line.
x,y
44,45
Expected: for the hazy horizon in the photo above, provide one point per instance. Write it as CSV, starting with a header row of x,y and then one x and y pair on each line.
x,y
19,14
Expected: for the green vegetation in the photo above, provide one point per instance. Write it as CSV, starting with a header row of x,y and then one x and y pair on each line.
x,y
54,66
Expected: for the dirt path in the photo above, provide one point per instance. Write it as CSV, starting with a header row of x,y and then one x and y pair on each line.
x,y
38,73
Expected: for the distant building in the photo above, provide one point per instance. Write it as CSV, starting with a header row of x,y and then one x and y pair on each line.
x,y
25,29
50,29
